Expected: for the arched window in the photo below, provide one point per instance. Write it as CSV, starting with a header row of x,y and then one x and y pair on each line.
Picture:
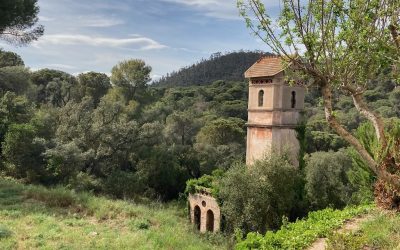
x,y
293,99
197,217
261,98
210,221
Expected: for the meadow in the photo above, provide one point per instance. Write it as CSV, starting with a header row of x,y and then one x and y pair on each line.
x,y
37,217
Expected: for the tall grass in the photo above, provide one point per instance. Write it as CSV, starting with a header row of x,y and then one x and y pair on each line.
x,y
33,217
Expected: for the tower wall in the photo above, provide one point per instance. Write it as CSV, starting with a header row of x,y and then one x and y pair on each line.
x,y
271,126
259,143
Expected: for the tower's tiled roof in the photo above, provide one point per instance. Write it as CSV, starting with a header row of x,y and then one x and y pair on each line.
x,y
265,67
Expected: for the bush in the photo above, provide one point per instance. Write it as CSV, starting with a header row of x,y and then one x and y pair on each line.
x,y
4,232
22,153
140,224
85,182
326,180
121,184
256,198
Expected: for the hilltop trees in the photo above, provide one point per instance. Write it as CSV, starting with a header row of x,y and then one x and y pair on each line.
x,y
94,84
132,76
9,59
317,38
229,67
18,20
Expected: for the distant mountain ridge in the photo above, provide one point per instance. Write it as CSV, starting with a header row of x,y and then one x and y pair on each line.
x,y
229,66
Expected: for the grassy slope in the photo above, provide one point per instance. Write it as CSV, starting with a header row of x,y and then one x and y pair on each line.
x,y
382,231
35,217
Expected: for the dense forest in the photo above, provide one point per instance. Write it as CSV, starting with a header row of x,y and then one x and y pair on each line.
x,y
229,66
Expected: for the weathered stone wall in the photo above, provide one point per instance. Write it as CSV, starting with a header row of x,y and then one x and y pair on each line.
x,y
205,203
259,143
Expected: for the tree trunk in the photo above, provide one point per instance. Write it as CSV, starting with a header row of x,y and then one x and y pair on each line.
x,y
391,179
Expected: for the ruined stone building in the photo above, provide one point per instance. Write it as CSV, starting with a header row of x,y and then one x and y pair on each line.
x,y
274,110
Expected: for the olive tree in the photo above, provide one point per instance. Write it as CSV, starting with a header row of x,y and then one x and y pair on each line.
x,y
340,46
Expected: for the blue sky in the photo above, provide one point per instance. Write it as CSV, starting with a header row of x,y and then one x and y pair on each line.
x,y
94,35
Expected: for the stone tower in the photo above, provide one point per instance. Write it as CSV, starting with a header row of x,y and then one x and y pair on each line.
x,y
273,111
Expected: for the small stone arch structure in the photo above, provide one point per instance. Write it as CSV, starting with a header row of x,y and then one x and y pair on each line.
x,y
205,212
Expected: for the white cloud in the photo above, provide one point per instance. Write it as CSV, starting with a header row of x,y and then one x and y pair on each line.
x,y
59,66
139,43
221,9
155,77
98,21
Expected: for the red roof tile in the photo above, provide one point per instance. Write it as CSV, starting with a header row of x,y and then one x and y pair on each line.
x,y
265,67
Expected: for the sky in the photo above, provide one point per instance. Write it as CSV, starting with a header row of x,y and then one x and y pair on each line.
x,y
94,35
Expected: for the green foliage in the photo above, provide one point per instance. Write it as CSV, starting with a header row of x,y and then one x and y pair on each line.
x,y
94,85
229,67
256,198
14,79
17,21
4,232
222,132
207,183
132,76
23,153
140,224
54,87
10,59
122,184
302,233
326,180
13,109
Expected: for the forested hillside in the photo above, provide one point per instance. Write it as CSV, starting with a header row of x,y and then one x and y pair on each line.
x,y
136,141
85,133
228,67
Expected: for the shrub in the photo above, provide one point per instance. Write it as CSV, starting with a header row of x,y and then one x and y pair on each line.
x,y
207,182
22,153
256,198
85,182
4,232
121,184
140,224
326,180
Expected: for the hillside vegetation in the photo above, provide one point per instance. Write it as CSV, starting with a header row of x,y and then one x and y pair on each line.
x,y
230,67
33,217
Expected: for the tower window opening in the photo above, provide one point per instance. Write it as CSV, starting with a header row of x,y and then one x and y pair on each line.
x,y
261,98
293,99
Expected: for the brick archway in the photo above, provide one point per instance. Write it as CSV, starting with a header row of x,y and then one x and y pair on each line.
x,y
204,212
